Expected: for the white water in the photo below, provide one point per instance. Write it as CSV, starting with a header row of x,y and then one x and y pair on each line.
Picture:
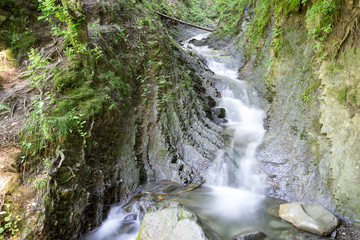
x,y
236,187
119,225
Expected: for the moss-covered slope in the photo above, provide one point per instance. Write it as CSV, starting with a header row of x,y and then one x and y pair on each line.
x,y
115,102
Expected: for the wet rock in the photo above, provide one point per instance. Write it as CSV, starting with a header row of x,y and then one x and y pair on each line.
x,y
273,206
311,218
196,42
128,227
67,194
250,235
333,234
173,223
219,112
130,218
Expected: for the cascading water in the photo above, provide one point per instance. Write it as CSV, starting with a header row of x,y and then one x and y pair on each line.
x,y
236,186
231,200
118,225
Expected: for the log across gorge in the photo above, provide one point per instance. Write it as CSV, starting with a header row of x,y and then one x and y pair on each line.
x,y
183,22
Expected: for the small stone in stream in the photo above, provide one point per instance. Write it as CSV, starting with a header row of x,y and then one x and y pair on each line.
x,y
311,218
250,235
196,42
333,234
130,218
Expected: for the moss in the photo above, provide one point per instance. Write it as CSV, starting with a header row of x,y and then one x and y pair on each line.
x,y
342,95
231,16
285,7
195,11
17,30
320,17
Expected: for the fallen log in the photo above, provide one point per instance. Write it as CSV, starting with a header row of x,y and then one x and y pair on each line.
x,y
183,22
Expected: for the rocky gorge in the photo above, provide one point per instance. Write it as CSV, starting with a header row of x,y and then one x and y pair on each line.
x,y
142,108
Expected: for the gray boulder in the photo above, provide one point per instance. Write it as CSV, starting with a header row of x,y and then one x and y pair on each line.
x,y
250,235
311,218
173,224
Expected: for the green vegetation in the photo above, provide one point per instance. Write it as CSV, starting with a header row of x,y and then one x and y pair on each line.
x,y
4,107
358,211
342,95
230,13
277,39
353,98
195,11
9,222
284,8
305,95
16,20
320,18
69,96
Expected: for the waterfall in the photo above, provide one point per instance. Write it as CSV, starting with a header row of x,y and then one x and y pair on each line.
x,y
234,189
233,177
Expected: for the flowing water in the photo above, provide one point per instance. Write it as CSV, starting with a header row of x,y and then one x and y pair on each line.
x,y
233,199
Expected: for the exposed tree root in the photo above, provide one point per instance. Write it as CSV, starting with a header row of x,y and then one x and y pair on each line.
x,y
352,27
71,177
60,154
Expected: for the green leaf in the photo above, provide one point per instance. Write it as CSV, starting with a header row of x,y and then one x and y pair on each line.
x,y
7,219
3,106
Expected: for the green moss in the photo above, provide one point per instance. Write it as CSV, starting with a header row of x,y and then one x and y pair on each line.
x,y
231,13
195,11
16,30
262,17
320,17
342,95
285,7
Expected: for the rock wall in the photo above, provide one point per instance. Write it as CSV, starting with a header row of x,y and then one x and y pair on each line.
x,y
310,151
166,132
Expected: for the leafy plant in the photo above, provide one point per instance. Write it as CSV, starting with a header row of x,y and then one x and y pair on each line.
x,y
3,106
9,223
320,18
38,69
342,95
146,87
305,95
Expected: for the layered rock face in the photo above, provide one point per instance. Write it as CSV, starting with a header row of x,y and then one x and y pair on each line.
x,y
167,132
310,150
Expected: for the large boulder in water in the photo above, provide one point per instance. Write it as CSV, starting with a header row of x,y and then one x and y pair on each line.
x,y
311,218
174,223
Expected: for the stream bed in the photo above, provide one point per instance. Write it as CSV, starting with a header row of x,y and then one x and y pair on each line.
x,y
233,198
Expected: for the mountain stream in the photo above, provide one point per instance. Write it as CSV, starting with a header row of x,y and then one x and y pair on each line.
x,y
232,200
